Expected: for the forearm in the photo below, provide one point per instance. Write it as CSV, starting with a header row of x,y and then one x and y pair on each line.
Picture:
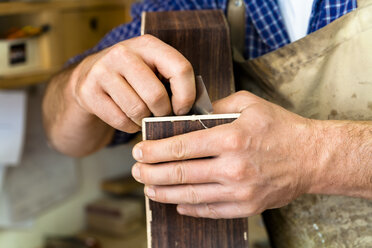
x,y
345,159
71,129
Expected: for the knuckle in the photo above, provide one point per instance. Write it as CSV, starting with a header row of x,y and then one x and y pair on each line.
x,y
179,173
82,94
137,111
243,194
80,90
120,121
157,97
145,177
184,68
118,51
242,94
186,99
236,172
148,38
265,124
234,140
213,213
97,69
162,196
192,195
178,149
121,53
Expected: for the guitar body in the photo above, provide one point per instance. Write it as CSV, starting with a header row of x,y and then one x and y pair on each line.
x,y
203,38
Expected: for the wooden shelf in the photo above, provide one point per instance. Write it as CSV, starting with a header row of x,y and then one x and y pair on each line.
x,y
21,80
68,18
11,8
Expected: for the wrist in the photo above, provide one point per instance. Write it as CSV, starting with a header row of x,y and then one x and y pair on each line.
x,y
324,141
341,158
310,155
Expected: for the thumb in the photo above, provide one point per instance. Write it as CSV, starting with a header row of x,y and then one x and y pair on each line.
x,y
235,103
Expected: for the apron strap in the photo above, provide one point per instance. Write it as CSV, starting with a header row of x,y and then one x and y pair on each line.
x,y
362,3
236,19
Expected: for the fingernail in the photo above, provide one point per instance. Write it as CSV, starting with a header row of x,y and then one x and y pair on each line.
x,y
181,210
183,111
136,173
150,192
137,153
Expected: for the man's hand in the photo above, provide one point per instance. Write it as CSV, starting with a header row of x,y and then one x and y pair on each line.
x,y
115,88
263,160
119,84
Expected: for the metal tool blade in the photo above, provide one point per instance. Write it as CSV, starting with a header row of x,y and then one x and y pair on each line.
x,y
203,104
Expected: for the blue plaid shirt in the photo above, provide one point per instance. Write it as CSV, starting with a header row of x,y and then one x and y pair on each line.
x,y
265,28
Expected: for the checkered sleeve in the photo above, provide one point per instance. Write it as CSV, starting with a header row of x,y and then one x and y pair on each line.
x,y
326,11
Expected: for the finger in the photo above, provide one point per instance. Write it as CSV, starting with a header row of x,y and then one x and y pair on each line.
x,y
222,210
181,172
145,83
189,194
235,103
198,144
173,66
106,109
126,98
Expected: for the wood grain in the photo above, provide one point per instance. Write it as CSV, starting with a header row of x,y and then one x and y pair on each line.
x,y
168,228
203,38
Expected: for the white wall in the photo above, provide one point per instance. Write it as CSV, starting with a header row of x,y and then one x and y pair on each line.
x,y
67,218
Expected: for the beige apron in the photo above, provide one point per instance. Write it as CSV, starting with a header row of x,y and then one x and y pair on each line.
x,y
326,75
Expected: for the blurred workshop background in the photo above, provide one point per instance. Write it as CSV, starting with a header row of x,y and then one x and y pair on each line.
x,y
47,199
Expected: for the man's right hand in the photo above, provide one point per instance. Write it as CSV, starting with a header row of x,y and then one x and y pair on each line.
x,y
120,86
115,88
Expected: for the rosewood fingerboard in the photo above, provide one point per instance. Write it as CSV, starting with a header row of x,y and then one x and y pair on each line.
x,y
170,229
